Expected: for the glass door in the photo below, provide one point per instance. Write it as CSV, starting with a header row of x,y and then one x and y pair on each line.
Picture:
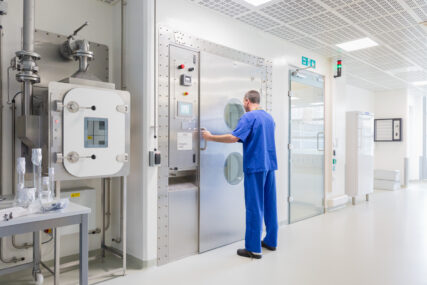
x,y
306,145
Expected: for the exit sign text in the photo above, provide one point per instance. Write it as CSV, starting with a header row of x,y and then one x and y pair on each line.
x,y
308,62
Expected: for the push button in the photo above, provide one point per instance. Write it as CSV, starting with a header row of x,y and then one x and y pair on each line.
x,y
181,66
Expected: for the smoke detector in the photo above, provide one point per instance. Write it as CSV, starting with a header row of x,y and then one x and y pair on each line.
x,y
110,2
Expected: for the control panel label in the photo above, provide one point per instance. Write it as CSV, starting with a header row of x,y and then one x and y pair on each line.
x,y
184,141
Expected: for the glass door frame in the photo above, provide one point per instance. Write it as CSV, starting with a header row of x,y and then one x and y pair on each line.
x,y
303,71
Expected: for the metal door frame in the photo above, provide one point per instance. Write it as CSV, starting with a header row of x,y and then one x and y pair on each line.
x,y
166,37
291,70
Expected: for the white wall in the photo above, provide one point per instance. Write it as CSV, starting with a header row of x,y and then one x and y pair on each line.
x,y
415,133
391,155
63,17
140,73
358,99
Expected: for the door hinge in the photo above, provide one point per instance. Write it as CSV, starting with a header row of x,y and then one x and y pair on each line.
x,y
290,146
289,93
290,199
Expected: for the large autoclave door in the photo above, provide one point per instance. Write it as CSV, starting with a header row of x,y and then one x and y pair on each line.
x,y
223,83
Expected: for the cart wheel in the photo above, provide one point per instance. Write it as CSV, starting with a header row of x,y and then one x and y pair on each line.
x,y
39,278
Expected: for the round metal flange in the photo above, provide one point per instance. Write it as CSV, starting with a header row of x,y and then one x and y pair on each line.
x,y
73,107
73,157
32,54
82,53
22,77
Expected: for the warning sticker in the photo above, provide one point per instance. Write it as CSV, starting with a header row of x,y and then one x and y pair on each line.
x,y
184,141
75,195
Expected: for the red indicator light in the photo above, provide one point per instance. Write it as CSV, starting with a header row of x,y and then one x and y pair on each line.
x,y
185,93
182,66
56,121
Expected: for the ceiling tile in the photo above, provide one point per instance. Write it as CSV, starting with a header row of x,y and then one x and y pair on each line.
x,y
227,7
292,10
259,21
319,25
286,33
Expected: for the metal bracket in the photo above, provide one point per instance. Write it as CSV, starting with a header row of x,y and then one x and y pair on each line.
x,y
122,109
59,106
122,157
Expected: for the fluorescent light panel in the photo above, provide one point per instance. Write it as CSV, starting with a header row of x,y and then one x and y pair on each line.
x,y
257,2
357,44
419,83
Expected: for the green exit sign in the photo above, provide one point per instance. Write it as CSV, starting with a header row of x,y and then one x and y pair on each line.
x,y
308,62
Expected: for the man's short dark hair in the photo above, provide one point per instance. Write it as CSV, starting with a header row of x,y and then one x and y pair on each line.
x,y
253,96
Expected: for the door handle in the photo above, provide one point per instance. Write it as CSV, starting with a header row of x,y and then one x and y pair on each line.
x,y
205,142
318,145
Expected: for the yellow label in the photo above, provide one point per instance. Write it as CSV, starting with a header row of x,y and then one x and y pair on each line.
x,y
89,137
75,195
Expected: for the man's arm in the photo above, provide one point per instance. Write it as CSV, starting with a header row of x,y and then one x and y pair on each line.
x,y
227,138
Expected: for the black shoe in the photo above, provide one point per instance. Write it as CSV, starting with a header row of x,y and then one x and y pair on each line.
x,y
268,247
246,253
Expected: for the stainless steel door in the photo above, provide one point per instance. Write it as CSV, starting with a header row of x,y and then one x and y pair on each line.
x,y
223,83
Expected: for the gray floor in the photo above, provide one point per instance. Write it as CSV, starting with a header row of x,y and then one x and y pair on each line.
x,y
383,242
380,242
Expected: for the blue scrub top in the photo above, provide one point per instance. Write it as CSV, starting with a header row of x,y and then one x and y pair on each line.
x,y
256,131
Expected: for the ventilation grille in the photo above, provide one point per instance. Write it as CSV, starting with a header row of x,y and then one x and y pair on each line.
x,y
227,7
319,25
259,21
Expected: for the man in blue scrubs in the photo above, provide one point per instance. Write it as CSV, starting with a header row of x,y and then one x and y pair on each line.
x,y
256,131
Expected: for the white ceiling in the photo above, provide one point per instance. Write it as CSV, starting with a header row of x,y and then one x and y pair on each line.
x,y
318,25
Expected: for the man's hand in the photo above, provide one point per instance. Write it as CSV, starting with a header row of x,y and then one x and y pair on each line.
x,y
227,138
206,135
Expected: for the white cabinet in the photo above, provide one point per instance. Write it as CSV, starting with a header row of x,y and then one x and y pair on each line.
x,y
359,154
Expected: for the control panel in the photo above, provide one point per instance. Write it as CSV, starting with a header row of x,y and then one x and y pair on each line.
x,y
183,104
86,130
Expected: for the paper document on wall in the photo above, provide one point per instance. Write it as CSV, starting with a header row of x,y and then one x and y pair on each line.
x,y
384,130
185,141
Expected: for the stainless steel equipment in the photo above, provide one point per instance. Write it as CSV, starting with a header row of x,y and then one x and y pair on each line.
x,y
184,111
200,187
57,136
222,212
81,124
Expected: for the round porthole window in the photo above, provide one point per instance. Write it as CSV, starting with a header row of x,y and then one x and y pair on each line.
x,y
233,168
232,113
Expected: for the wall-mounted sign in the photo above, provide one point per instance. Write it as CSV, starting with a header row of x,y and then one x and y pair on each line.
x,y
308,62
388,130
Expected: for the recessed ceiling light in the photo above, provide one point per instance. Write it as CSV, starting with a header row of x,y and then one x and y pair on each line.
x,y
257,2
419,83
357,44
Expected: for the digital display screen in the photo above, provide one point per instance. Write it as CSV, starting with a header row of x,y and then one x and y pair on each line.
x,y
96,133
185,109
185,80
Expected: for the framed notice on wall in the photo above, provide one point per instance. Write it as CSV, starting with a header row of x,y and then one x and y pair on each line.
x,y
388,130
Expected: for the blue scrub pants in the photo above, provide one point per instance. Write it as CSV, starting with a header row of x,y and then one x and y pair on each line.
x,y
260,200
